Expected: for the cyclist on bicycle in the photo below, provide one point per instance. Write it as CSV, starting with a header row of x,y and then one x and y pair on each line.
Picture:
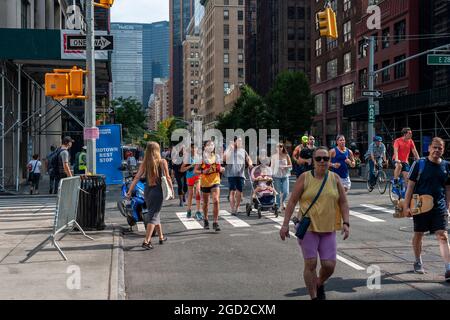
x,y
376,155
402,149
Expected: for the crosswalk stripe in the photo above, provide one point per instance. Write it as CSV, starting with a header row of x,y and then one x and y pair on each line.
x,y
189,223
27,207
140,226
377,208
365,217
350,263
290,232
234,221
42,209
278,219
11,214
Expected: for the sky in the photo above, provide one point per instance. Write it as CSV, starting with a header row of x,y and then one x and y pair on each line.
x,y
140,11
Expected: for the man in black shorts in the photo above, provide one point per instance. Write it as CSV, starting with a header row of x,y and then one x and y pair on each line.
x,y
431,178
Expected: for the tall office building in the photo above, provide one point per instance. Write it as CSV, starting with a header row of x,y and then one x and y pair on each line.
x,y
283,42
181,12
155,55
223,54
141,54
127,61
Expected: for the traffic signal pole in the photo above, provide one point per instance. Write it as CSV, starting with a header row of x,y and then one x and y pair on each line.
x,y
89,109
371,106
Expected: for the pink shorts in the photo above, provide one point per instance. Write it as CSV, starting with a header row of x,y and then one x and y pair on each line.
x,y
322,243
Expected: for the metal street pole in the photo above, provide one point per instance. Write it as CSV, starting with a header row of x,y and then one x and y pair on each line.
x,y
89,109
371,107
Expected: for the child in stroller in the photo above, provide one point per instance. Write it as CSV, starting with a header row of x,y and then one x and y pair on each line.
x,y
263,196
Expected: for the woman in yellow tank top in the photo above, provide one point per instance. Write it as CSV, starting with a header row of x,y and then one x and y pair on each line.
x,y
327,214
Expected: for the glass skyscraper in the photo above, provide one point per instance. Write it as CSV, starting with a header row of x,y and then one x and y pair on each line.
x,y
141,54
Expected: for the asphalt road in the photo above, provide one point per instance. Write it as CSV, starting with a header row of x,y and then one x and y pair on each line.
x,y
247,259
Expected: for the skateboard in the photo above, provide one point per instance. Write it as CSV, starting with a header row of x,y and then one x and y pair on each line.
x,y
419,204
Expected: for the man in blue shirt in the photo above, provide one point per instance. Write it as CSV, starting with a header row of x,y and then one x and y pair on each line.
x,y
431,178
375,155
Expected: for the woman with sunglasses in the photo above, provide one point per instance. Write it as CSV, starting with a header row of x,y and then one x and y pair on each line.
x,y
327,214
281,166
341,159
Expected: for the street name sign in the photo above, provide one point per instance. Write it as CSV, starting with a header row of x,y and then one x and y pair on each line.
x,y
438,59
371,113
78,42
374,94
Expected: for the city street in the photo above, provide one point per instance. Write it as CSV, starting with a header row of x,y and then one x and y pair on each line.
x,y
247,259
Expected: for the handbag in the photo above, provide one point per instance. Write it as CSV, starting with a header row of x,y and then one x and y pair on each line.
x,y
303,225
167,191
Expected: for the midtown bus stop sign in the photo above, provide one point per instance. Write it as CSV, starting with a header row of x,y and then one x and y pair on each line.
x,y
78,42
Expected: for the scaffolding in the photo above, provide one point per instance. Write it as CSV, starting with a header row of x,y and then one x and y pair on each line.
x,y
26,117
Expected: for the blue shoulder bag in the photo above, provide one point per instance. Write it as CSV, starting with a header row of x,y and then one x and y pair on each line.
x,y
303,225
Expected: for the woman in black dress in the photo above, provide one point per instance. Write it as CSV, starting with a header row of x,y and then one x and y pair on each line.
x,y
152,168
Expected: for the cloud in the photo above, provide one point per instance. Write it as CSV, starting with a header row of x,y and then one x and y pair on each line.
x,y
140,11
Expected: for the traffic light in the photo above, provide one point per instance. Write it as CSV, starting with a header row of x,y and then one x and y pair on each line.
x,y
65,83
106,4
327,23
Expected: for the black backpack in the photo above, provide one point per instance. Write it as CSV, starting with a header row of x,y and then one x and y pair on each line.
x,y
53,163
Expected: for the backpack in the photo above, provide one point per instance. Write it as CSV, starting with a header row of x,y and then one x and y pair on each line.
x,y
53,167
422,162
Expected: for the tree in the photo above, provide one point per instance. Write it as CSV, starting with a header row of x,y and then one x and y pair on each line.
x,y
130,114
290,104
164,132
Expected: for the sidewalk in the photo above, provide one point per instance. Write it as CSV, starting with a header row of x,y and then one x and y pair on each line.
x,y
94,269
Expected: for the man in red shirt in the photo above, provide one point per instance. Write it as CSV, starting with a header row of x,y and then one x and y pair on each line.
x,y
402,149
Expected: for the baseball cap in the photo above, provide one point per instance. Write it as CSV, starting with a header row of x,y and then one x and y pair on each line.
x,y
67,139
84,148
378,138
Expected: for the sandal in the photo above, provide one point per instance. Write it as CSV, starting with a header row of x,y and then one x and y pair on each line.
x,y
161,241
147,246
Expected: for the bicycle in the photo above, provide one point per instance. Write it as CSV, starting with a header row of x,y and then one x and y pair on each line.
x,y
397,193
380,176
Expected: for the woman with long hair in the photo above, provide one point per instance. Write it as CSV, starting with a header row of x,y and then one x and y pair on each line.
x,y
281,167
152,168
210,170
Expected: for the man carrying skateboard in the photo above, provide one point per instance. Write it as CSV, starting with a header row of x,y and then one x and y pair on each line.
x,y
434,180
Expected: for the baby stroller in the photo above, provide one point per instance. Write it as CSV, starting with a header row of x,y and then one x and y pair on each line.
x,y
263,192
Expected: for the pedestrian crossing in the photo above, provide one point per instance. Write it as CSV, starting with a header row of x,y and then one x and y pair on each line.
x,y
27,207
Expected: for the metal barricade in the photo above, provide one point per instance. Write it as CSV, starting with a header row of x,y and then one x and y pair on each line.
x,y
65,216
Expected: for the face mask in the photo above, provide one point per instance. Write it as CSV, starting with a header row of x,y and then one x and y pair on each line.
x,y
209,148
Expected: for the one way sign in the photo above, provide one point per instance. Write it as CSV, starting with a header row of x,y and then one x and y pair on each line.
x,y
374,93
79,42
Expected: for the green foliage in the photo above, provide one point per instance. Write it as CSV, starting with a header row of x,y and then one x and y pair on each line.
x,y
130,114
290,104
288,107
164,131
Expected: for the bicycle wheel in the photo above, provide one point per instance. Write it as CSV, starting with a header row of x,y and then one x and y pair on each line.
x,y
382,181
369,188
393,195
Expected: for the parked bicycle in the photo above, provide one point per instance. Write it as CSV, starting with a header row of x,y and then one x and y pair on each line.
x,y
381,178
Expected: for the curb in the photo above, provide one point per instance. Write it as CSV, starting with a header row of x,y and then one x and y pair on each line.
x,y
117,271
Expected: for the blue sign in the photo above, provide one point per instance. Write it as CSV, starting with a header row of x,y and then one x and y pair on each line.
x,y
109,153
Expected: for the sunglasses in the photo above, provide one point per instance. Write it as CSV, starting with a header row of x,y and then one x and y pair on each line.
x,y
319,159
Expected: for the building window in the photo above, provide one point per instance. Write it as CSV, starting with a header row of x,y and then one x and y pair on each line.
x,y
226,15
362,49
332,100
226,87
347,5
300,13
241,2
291,13
240,72
240,43
400,31
24,14
385,74
226,44
226,72
332,69
226,2
318,47
319,103
226,29
240,29
348,94
347,31
375,35
386,35
291,54
240,58
331,43
301,33
226,58
301,54
400,69
240,15
291,33
363,79
347,62
318,74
